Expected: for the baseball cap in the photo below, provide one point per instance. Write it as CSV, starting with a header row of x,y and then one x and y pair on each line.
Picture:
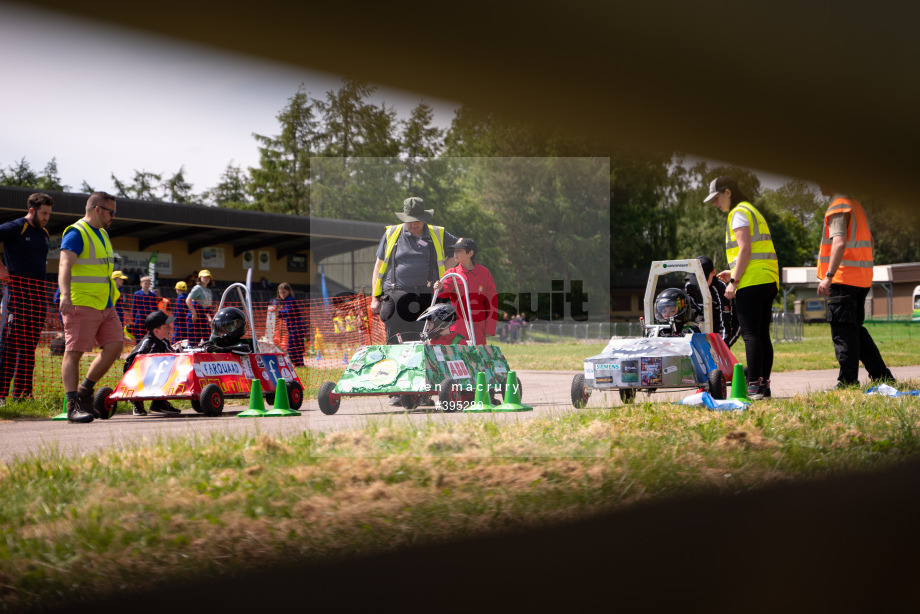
x,y
181,286
118,275
718,184
156,319
204,273
463,243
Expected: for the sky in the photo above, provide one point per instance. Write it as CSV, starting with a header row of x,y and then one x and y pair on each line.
x,y
104,100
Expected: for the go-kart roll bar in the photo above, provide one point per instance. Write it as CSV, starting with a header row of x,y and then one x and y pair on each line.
x,y
468,320
247,308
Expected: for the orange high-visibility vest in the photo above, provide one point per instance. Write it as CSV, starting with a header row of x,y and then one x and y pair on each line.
x,y
856,267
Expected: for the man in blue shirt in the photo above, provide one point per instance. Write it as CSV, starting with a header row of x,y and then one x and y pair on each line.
x,y
25,259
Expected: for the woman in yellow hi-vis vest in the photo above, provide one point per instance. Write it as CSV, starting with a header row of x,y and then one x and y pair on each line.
x,y
752,278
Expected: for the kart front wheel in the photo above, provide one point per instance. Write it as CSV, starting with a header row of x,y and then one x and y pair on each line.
x,y
295,395
580,396
328,400
717,384
196,405
212,400
627,395
449,396
103,405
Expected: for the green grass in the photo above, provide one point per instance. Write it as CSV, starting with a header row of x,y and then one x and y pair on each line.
x,y
816,351
76,529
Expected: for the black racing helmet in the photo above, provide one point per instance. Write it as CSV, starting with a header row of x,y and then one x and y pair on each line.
x,y
228,326
672,305
440,317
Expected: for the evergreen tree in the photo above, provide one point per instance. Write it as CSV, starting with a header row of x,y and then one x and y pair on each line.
x,y
281,182
231,189
20,174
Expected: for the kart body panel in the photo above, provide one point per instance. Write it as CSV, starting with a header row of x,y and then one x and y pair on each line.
x,y
419,368
185,375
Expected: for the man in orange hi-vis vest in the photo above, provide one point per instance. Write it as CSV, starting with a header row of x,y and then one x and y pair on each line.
x,y
845,269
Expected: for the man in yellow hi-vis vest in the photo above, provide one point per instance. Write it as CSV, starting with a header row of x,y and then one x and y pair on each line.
x,y
410,258
88,297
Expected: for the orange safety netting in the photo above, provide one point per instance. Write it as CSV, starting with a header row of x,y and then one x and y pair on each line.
x,y
318,335
338,327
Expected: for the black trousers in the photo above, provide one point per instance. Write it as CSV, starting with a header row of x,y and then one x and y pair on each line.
x,y
754,305
846,312
399,310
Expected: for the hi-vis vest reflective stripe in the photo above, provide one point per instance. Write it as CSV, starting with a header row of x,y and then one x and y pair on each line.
x,y
856,267
392,234
763,267
91,283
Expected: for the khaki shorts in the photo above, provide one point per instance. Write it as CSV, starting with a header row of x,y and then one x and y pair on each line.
x,y
87,325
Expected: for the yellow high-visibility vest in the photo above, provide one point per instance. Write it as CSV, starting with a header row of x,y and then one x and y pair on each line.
x,y
763,267
392,235
91,282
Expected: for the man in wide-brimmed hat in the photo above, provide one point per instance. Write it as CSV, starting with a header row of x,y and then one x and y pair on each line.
x,y
410,258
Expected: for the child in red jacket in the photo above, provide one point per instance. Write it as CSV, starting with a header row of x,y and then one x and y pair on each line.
x,y
481,286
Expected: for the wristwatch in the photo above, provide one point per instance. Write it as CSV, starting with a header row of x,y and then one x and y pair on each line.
x,y
732,280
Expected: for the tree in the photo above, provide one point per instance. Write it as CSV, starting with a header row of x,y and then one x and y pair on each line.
x,y
144,186
420,142
49,179
281,182
178,190
231,189
20,174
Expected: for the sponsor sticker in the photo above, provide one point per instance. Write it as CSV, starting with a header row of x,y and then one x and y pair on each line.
x,y
458,369
438,353
384,372
607,367
221,367
589,370
607,379
670,369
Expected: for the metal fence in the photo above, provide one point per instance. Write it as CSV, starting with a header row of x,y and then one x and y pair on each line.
x,y
787,327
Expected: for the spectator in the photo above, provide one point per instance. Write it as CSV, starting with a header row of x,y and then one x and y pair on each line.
x,y
119,279
159,327
514,328
200,308
88,296
25,256
724,318
290,310
145,301
180,330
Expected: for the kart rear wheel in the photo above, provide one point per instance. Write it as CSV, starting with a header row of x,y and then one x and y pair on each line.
x,y
103,405
717,384
410,401
295,395
269,398
328,400
627,395
449,396
580,395
212,400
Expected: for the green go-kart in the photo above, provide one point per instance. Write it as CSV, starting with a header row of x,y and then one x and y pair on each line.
x,y
421,370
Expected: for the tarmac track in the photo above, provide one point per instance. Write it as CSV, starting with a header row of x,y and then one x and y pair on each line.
x,y
547,391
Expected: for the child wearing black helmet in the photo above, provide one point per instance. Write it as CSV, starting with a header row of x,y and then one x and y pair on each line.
x,y
440,317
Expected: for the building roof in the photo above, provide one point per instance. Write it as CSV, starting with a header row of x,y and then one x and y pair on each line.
x,y
908,272
200,226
